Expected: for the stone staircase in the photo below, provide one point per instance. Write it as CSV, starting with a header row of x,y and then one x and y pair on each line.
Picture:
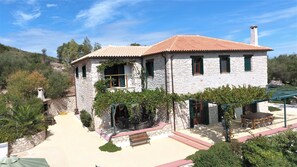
x,y
190,141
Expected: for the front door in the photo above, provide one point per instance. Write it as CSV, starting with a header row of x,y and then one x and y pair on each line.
x,y
198,113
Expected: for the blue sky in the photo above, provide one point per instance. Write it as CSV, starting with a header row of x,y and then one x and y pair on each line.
x,y
35,24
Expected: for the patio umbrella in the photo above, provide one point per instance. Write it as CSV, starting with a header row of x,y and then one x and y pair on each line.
x,y
23,162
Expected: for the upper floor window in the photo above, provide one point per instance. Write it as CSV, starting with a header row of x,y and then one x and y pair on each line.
x,y
225,64
247,63
197,65
76,72
149,66
84,71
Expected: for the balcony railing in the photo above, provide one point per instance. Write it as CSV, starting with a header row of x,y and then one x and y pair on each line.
x,y
117,80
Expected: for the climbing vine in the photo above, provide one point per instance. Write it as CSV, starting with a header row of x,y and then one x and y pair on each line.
x,y
229,97
150,99
112,62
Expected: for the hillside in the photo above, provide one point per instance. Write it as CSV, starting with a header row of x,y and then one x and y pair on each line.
x,y
13,59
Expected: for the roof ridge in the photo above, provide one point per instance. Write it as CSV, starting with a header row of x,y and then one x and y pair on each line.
x,y
125,46
172,43
163,41
225,40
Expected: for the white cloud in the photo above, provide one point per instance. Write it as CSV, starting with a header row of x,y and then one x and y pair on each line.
x,y
101,12
266,33
275,16
51,5
22,17
31,2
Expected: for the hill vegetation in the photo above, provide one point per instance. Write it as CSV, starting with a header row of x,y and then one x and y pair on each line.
x,y
32,68
284,68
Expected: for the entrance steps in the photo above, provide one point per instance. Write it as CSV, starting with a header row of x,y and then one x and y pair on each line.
x,y
190,141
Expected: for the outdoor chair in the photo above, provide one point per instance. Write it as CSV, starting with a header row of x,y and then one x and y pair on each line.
x,y
245,123
257,123
270,120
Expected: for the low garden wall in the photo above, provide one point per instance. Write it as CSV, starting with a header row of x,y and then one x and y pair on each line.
x,y
162,130
25,143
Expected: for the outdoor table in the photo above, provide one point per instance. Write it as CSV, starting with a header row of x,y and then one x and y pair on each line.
x,y
256,116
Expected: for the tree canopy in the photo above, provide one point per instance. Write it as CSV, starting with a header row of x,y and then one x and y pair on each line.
x,y
71,50
284,68
135,44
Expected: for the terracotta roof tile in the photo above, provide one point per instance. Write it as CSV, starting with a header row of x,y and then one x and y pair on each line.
x,y
116,51
189,43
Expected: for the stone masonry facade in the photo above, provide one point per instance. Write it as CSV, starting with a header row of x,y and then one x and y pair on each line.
x,y
179,72
184,82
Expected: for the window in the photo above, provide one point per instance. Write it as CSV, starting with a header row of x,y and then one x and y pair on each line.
x,y
76,72
197,65
116,76
225,64
149,65
84,71
247,63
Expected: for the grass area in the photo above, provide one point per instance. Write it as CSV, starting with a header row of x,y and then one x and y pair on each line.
x,y
271,108
110,147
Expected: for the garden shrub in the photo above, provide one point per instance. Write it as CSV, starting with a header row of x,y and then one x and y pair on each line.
x,y
220,154
287,144
85,118
262,151
271,108
19,121
110,147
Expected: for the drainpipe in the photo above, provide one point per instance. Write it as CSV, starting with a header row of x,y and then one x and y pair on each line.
x,y
76,109
172,91
166,87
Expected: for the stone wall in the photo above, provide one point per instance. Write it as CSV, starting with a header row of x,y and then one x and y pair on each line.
x,y
185,82
65,104
27,142
158,81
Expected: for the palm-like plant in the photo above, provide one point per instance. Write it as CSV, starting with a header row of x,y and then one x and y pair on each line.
x,y
21,121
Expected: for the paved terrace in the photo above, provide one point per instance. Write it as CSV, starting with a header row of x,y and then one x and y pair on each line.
x,y
71,145
213,133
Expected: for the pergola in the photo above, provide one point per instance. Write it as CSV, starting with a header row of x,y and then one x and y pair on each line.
x,y
283,95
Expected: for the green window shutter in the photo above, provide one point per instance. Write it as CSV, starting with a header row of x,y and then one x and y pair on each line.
x,y
221,65
76,72
193,66
247,63
201,66
152,64
146,69
228,64
84,71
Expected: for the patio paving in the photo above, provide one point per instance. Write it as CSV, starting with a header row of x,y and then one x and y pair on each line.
x,y
69,144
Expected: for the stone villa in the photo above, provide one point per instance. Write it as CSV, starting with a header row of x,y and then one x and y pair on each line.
x,y
180,64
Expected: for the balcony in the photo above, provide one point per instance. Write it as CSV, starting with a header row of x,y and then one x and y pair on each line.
x,y
120,81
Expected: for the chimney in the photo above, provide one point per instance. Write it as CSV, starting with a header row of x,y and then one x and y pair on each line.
x,y
254,35
40,94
